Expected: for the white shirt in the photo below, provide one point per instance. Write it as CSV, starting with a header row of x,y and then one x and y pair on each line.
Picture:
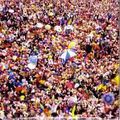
x,y
68,27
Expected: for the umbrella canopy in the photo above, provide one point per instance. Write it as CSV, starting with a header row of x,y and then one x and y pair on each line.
x,y
68,54
31,66
32,62
72,44
108,98
117,79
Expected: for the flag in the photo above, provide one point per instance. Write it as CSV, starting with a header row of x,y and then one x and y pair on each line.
x,y
101,87
68,54
117,79
74,117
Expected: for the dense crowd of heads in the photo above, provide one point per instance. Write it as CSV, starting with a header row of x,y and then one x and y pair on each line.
x,y
71,88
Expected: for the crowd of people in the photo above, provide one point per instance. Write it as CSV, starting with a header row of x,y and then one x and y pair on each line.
x,y
55,88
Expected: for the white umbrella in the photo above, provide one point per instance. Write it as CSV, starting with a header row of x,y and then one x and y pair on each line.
x,y
32,63
31,66
68,54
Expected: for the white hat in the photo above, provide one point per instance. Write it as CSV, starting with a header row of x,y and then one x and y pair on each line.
x,y
68,27
11,10
33,91
39,25
47,27
76,85
33,99
50,13
58,28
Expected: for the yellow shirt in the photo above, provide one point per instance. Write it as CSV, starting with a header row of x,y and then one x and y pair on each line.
x,y
42,82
